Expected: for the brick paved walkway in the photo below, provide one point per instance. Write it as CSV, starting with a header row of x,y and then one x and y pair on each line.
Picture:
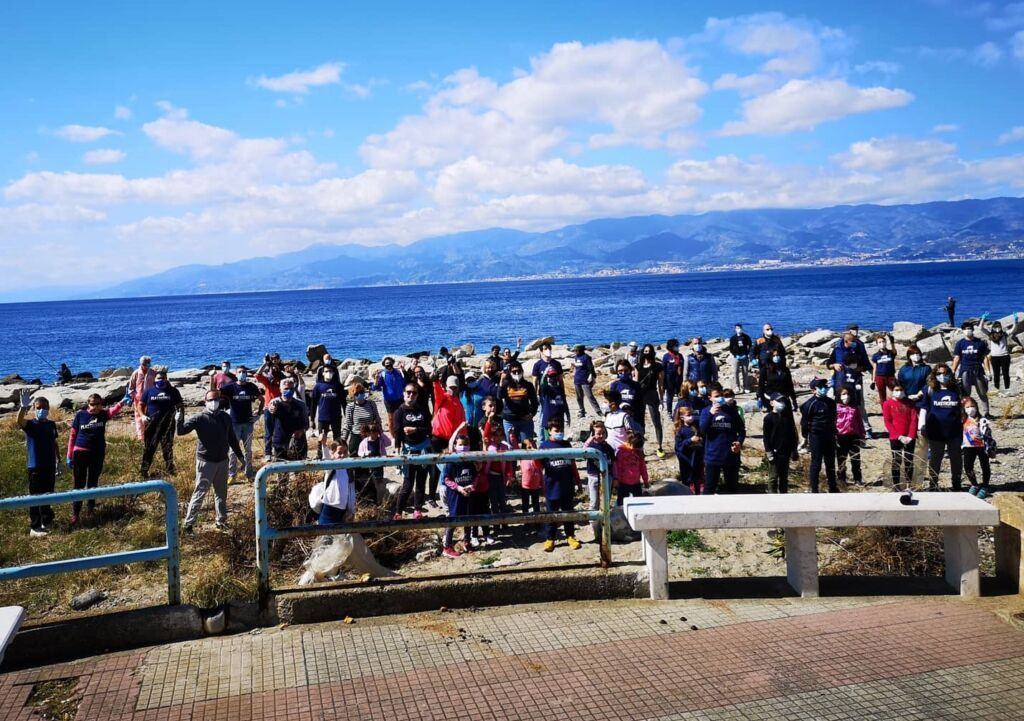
x,y
920,658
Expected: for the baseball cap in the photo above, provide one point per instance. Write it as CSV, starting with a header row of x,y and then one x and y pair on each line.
x,y
451,382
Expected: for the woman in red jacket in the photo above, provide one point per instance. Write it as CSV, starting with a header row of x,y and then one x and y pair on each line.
x,y
449,416
900,416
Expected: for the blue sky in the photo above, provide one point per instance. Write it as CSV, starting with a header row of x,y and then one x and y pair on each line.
x,y
140,136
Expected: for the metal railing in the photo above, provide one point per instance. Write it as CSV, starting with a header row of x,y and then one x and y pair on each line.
x,y
265,533
170,551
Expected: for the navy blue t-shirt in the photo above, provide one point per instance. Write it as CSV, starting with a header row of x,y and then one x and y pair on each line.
x,y
942,420
628,389
720,431
240,397
559,473
160,402
91,430
582,369
41,440
328,402
971,353
885,363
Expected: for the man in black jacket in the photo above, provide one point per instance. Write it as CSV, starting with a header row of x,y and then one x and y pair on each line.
x,y
216,436
740,346
818,424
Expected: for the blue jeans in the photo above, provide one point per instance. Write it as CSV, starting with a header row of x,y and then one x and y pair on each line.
x,y
243,431
523,428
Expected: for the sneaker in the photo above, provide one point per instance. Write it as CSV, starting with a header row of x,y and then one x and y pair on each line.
x,y
432,503
549,546
417,514
983,493
973,490
450,552
222,526
660,453
474,542
490,541
187,529
573,543
397,517
37,533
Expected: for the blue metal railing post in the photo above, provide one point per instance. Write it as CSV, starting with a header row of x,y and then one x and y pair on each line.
x,y
169,552
265,533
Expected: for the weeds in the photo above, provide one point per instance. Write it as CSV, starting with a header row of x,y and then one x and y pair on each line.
x,y
55,700
885,552
687,541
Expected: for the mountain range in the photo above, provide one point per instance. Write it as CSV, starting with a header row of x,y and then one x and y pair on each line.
x,y
846,233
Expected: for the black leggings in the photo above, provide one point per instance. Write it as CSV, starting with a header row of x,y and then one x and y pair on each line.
x,y
87,467
778,473
415,475
848,447
653,405
823,449
714,472
530,498
159,433
936,450
1001,367
986,472
902,456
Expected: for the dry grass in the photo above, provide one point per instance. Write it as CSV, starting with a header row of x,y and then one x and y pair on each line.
x,y
913,552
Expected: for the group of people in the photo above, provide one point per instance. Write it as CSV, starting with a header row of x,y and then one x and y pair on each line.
x,y
444,406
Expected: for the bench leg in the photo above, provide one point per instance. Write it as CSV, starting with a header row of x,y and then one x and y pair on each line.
x,y
802,561
656,556
961,546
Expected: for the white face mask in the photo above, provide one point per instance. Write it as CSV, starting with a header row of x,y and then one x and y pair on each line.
x,y
212,405
461,449
546,354
778,406
517,377
915,357
897,394
972,411
845,398
769,333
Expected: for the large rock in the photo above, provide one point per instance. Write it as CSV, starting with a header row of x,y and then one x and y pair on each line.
x,y
186,375
621,532
934,349
466,350
536,344
816,338
669,487
116,373
11,392
906,333
824,350
316,353
11,379
66,397
193,395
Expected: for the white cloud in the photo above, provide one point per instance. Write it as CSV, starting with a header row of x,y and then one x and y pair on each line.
x,y
753,84
794,47
1013,135
83,133
103,156
805,104
123,112
878,154
300,81
884,67
987,54
1012,17
946,128
1017,43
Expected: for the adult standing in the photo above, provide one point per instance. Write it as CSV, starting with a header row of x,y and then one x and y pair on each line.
x,y
584,375
724,432
650,378
412,435
625,383
913,377
780,441
543,363
775,377
818,426
950,309
673,364
900,416
448,417
87,446
217,437
998,354
701,365
767,345
240,397
43,460
269,375
223,377
327,402
969,355
740,346
160,402
358,413
518,403
941,423
290,420
390,382
141,380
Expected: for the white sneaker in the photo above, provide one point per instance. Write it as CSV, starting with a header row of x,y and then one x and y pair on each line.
x,y
33,533
474,542
491,541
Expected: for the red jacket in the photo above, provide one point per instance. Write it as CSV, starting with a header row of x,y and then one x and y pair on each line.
x,y
630,468
448,413
900,418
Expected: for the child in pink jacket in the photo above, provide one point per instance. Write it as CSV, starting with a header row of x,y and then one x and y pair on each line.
x,y
849,435
532,479
630,468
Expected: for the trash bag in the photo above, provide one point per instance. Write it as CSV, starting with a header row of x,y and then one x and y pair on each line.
x,y
346,551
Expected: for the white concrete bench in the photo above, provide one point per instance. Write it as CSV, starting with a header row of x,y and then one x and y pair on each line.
x,y
959,514
10,621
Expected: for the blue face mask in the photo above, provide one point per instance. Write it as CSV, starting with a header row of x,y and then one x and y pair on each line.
x,y
557,435
942,378
821,392
623,376
776,359
719,401
288,393
693,392
161,384
703,390
360,397
41,414
243,377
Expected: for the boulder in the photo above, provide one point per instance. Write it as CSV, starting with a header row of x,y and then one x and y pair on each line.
x,y
186,375
193,395
1018,340
316,353
669,487
8,407
116,373
934,349
621,532
67,397
11,392
816,338
824,350
536,344
11,379
906,333
941,328
83,376
467,350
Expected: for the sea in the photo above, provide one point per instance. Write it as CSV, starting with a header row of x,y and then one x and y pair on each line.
x,y
192,331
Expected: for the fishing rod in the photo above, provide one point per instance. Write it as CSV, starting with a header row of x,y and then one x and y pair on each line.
x,y
37,353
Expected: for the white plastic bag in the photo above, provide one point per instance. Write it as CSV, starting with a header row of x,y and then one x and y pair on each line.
x,y
316,496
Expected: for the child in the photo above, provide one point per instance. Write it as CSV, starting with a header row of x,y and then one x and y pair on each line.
x,y
339,501
689,449
552,400
885,366
532,480
977,435
561,478
630,467
849,434
780,442
618,421
599,440
693,394
459,480
43,461
374,444
900,417
500,473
